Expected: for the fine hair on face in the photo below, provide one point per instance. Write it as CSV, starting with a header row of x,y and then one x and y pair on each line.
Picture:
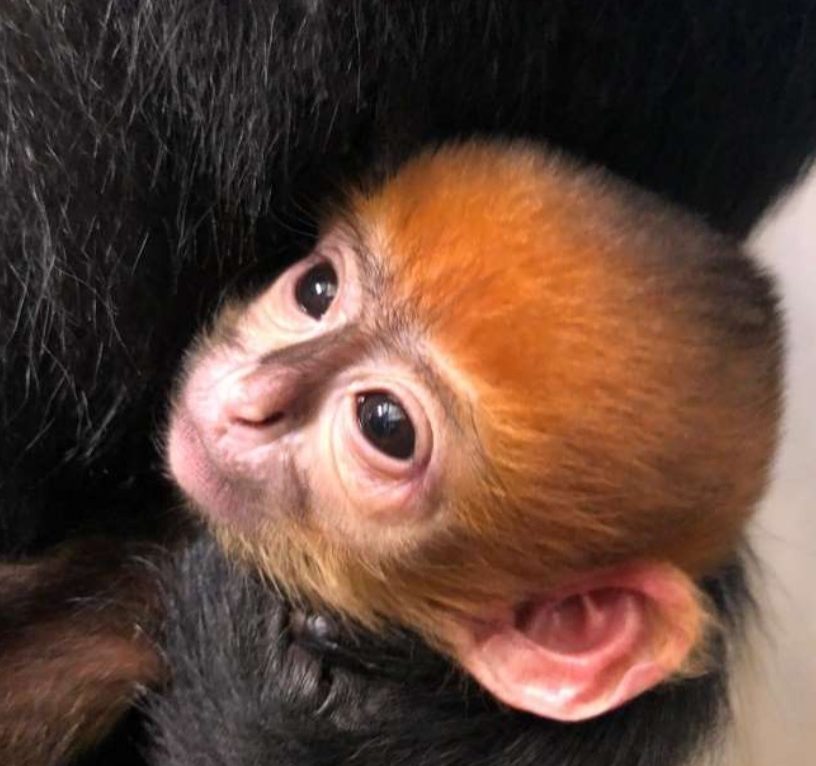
x,y
503,393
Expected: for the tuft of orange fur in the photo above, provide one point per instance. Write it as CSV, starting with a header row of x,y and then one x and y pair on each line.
x,y
617,367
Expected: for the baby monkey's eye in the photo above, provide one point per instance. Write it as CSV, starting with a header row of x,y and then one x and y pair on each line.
x,y
316,289
386,425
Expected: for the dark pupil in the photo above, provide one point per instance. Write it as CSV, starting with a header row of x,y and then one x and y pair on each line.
x,y
316,289
386,425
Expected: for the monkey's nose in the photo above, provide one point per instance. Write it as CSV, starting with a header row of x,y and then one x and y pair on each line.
x,y
259,399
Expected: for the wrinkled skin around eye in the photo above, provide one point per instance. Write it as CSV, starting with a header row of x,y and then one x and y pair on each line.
x,y
299,418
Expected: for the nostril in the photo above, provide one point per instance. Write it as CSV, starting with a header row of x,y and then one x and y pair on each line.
x,y
256,400
263,422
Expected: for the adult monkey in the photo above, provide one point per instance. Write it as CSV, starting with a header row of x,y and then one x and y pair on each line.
x,y
151,151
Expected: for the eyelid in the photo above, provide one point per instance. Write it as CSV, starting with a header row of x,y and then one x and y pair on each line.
x,y
277,307
291,278
316,289
366,453
346,304
377,460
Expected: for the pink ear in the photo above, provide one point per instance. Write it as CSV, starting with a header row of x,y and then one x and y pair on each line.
x,y
589,647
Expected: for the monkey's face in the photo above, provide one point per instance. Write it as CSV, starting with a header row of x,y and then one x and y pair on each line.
x,y
512,405
318,406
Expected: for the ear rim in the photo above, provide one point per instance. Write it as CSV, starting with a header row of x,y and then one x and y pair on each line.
x,y
665,630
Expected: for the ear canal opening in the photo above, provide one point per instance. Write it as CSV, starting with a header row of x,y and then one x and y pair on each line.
x,y
586,649
578,623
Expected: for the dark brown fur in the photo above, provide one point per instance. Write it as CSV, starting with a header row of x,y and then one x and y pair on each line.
x,y
150,152
76,647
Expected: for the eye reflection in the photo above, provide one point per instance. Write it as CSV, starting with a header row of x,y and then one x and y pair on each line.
x,y
316,289
385,424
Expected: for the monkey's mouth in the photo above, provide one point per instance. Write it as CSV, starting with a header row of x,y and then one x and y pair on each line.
x,y
215,486
192,467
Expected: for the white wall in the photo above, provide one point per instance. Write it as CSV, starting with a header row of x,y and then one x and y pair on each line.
x,y
777,703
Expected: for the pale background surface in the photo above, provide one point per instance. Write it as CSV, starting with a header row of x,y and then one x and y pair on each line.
x,y
777,705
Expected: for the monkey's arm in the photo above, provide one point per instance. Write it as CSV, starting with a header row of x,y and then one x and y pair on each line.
x,y
74,647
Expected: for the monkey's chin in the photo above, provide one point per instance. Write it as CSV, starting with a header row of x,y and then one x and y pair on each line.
x,y
222,499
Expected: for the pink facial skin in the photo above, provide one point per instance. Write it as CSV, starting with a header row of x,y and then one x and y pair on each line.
x,y
266,422
224,463
268,429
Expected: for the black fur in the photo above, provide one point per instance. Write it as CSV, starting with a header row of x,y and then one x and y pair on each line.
x,y
153,152
252,686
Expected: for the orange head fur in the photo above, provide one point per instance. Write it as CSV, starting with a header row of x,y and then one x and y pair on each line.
x,y
615,368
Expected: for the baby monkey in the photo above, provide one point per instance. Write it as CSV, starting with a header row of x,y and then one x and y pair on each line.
x,y
513,404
